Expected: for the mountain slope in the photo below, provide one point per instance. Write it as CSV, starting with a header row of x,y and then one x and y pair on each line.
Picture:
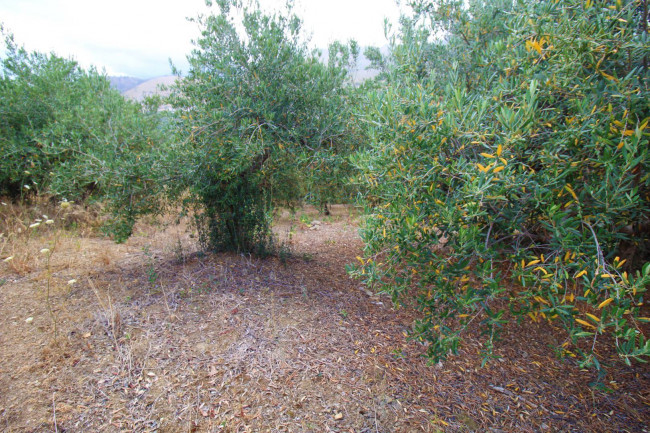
x,y
150,87
122,84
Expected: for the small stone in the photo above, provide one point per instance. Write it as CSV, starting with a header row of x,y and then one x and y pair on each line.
x,y
29,320
338,416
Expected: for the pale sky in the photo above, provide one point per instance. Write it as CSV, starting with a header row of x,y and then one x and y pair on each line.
x,y
138,37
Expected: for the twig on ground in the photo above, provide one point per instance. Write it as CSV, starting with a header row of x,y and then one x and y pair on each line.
x,y
56,427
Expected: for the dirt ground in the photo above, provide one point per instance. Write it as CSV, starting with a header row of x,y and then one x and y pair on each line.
x,y
153,335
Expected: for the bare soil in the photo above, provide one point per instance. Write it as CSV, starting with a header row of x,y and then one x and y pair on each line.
x,y
156,336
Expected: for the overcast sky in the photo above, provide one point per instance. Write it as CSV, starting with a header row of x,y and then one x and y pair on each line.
x,y
138,37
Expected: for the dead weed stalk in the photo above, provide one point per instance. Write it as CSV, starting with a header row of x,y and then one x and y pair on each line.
x,y
111,315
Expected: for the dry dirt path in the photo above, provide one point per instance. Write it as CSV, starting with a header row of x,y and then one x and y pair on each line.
x,y
154,336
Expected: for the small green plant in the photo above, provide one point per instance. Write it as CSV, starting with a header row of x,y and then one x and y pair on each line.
x,y
179,254
343,314
284,253
152,275
305,219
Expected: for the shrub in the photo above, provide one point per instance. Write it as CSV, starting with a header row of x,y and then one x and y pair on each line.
x,y
259,112
509,170
65,131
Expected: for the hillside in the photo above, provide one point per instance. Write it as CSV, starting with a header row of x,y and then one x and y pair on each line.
x,y
122,84
150,87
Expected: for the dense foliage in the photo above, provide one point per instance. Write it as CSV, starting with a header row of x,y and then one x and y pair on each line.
x,y
509,171
259,113
64,131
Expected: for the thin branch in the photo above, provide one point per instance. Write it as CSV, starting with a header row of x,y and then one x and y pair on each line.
x,y
601,258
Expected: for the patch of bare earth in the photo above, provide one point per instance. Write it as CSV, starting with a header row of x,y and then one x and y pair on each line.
x,y
155,336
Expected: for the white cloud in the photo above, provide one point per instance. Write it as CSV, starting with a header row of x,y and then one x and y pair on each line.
x,y
137,37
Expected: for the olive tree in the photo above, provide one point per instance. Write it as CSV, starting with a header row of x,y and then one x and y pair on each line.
x,y
257,110
508,172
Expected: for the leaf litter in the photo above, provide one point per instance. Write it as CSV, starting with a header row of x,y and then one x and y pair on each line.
x,y
157,336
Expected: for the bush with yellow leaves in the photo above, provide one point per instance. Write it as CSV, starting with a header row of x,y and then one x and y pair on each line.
x,y
510,168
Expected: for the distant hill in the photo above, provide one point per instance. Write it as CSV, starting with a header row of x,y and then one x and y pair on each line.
x,y
137,89
122,84
150,87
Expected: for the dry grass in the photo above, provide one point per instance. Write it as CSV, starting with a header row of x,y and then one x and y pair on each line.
x,y
155,336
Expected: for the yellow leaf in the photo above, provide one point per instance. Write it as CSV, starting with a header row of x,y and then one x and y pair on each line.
x,y
581,273
620,145
592,317
609,77
585,323
533,262
541,300
498,169
360,259
645,124
605,276
481,167
503,161
488,155
619,264
571,191
529,46
539,268
605,303
499,150
570,297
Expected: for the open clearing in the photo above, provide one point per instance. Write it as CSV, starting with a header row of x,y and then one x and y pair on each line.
x,y
155,336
